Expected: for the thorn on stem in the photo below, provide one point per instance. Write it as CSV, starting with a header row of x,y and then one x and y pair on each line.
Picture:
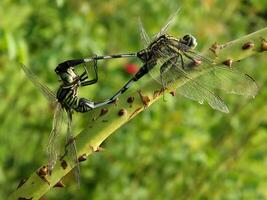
x,y
248,45
42,173
263,45
173,93
130,100
145,99
228,62
122,112
22,181
82,158
59,184
64,164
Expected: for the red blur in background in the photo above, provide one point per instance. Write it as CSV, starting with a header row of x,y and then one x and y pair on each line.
x,y
131,68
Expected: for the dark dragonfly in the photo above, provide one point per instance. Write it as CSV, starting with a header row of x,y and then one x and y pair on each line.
x,y
171,54
67,99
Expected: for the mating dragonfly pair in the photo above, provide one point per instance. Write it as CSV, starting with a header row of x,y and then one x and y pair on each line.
x,y
163,50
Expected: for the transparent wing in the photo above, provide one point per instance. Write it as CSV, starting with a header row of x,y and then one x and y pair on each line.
x,y
42,87
168,24
167,53
143,34
190,87
71,148
53,143
231,81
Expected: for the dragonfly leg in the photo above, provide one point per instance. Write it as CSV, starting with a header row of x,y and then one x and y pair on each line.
x,y
189,57
93,81
83,76
163,69
71,141
182,61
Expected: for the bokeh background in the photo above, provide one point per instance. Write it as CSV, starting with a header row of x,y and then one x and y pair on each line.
x,y
177,149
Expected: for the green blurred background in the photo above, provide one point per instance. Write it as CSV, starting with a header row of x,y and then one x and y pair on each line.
x,y
177,149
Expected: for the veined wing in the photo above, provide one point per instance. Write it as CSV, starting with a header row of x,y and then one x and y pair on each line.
x,y
145,37
53,143
224,78
168,24
230,80
42,87
189,87
143,34
71,149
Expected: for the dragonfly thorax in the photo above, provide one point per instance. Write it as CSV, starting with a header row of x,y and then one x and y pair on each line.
x,y
154,50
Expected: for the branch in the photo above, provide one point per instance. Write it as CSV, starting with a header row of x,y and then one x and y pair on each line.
x,y
106,120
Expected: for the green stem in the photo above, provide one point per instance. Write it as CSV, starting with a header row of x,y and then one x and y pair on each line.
x,y
105,121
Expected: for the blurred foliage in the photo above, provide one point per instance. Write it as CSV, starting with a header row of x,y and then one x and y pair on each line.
x,y
193,152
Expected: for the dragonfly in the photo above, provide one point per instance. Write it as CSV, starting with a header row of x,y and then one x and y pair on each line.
x,y
171,54
66,98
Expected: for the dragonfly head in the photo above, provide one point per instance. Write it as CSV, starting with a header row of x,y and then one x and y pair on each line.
x,y
189,40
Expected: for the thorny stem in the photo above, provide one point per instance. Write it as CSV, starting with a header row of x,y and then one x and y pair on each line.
x,y
106,120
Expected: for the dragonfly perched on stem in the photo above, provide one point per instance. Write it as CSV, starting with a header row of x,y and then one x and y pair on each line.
x,y
67,99
177,58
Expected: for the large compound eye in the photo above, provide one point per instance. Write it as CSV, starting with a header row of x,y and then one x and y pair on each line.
x,y
190,41
186,37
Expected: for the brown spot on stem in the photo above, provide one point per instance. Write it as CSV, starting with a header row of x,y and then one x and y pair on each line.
x,y
263,45
59,184
64,164
82,158
122,112
42,173
228,62
103,112
145,99
248,45
173,93
130,100
22,181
